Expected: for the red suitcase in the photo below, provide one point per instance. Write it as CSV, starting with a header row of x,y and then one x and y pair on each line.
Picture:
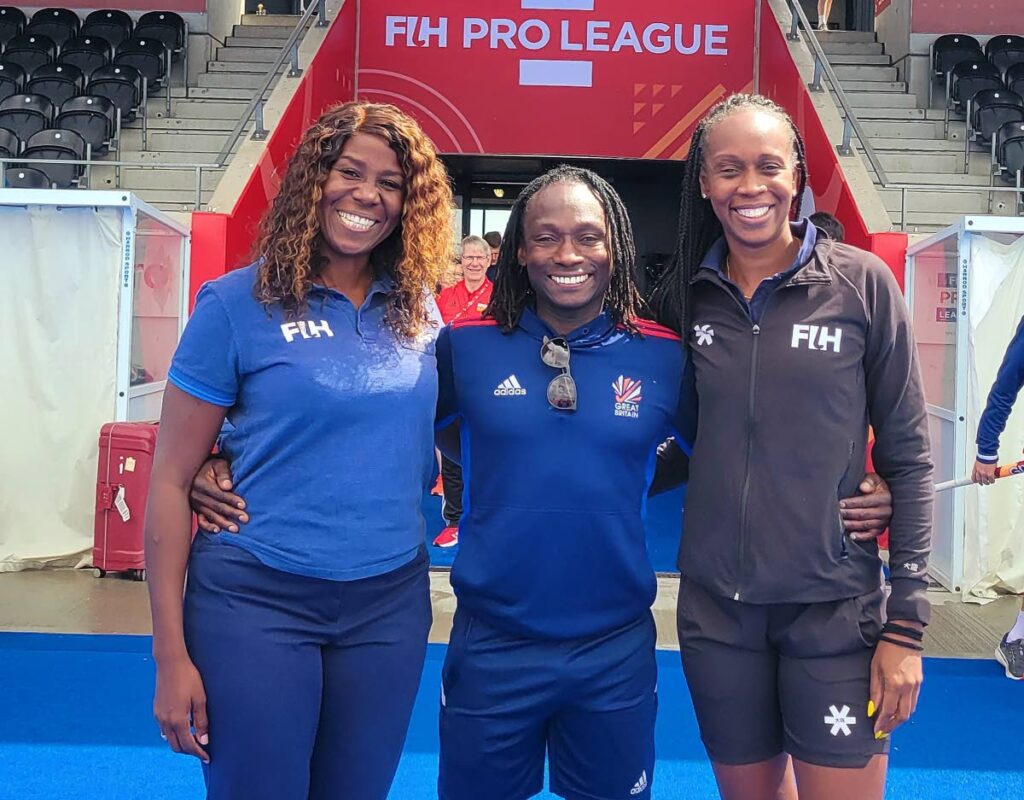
x,y
122,486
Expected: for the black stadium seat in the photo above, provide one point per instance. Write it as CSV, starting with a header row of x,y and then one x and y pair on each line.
x,y
1004,51
30,51
12,80
1015,79
1008,147
951,49
58,82
9,144
87,52
60,24
148,56
121,85
57,144
165,26
110,24
12,23
991,109
971,77
25,114
26,178
94,118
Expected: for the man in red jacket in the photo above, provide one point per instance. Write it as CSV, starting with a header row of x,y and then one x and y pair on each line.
x,y
467,298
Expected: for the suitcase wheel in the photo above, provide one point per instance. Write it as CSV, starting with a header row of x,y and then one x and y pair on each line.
x,y
98,573
138,574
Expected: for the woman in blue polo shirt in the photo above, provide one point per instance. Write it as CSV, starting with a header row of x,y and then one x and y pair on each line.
x,y
292,668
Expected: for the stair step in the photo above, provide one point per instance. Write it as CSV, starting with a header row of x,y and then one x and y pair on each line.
x,y
264,31
287,21
953,178
949,163
946,202
168,156
832,48
862,99
213,93
203,109
243,67
263,55
857,73
910,143
859,60
232,80
904,129
202,145
864,113
184,124
261,43
155,180
844,37
896,87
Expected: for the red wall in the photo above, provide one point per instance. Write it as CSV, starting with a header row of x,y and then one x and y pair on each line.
x,y
967,16
495,77
221,242
781,81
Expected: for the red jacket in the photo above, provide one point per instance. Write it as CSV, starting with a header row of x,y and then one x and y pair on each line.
x,y
457,302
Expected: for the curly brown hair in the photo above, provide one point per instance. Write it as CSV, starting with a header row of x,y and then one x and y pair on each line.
x,y
415,254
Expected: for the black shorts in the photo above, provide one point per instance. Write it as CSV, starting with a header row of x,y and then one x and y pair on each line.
x,y
767,679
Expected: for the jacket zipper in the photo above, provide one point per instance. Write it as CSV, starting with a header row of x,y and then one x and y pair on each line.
x,y
745,496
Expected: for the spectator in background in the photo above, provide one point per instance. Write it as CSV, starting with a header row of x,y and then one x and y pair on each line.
x,y
828,225
493,239
1008,383
467,298
824,9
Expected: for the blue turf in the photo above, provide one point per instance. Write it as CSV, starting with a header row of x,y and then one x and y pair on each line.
x,y
77,725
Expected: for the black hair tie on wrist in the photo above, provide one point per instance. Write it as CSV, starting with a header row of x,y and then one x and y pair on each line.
x,y
903,630
901,643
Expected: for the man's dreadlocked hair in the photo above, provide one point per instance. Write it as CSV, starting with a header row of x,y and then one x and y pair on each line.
x,y
512,289
699,228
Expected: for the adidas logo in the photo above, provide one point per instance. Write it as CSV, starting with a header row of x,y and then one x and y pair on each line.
x,y
509,388
640,785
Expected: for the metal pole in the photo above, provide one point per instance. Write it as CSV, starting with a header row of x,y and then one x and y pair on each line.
x,y
260,132
295,72
931,72
967,139
145,113
3,173
845,149
815,84
88,166
117,151
199,188
757,46
903,209
321,13
793,34
945,115
184,60
167,59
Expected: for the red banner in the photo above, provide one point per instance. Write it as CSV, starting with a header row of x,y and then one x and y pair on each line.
x,y
613,78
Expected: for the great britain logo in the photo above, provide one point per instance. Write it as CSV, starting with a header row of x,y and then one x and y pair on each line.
x,y
628,394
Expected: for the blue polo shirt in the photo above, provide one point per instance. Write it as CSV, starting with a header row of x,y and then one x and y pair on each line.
x,y
552,539
331,436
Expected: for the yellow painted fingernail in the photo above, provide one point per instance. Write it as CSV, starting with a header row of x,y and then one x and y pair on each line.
x,y
881,735
871,708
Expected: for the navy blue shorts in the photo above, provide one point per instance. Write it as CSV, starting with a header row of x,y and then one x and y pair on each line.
x,y
309,682
590,704
789,677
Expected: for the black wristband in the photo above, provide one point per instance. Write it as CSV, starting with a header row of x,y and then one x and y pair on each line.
x,y
903,630
901,643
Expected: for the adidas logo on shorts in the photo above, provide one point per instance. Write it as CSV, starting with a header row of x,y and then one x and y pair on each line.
x,y
509,388
640,785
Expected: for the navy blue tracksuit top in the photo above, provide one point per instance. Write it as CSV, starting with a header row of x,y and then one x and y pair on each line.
x,y
552,539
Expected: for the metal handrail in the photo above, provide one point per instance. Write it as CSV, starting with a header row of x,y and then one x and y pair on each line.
x,y
289,50
851,124
89,163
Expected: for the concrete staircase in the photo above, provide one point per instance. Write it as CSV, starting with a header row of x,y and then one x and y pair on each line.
x,y
201,121
908,138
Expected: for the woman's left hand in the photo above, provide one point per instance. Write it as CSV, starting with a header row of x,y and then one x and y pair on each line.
x,y
896,677
867,514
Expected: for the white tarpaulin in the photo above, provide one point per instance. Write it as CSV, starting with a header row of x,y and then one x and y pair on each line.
x,y
994,522
59,272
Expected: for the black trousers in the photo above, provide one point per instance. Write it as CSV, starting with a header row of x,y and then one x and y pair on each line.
x,y
451,507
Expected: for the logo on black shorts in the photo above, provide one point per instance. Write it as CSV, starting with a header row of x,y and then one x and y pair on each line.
x,y
840,720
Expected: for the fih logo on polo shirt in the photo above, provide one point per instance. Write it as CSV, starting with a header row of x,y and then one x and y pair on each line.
x,y
307,329
628,394
509,388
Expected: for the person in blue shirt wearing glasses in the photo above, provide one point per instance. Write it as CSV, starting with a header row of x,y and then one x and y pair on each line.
x,y
561,385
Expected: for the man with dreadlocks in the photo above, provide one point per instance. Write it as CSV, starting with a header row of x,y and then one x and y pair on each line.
x,y
797,344
562,387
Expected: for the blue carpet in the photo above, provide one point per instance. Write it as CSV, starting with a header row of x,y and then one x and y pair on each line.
x,y
77,724
664,515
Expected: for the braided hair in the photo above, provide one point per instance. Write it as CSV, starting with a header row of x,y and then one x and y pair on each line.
x,y
512,289
699,228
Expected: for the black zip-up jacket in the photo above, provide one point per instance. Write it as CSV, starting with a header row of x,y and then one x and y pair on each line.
x,y
782,432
